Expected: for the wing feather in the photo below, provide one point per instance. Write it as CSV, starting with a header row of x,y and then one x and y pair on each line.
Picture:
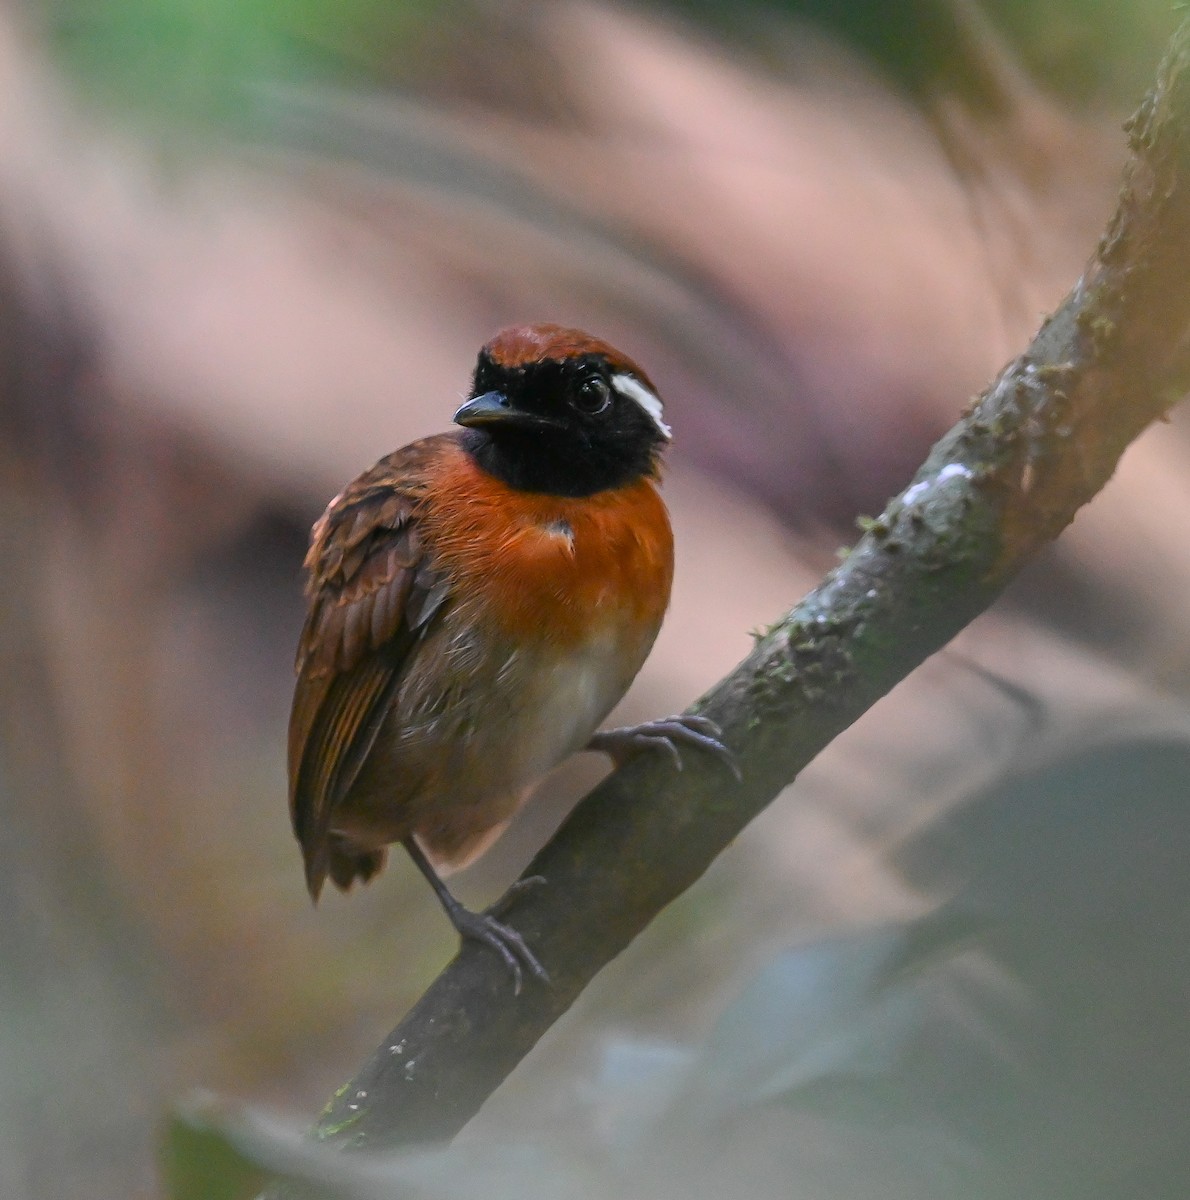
x,y
373,594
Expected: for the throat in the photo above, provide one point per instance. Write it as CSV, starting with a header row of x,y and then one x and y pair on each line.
x,y
561,466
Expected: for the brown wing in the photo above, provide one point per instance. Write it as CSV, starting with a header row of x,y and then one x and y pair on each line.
x,y
372,594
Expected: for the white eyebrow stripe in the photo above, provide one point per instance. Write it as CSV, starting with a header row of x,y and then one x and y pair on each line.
x,y
633,389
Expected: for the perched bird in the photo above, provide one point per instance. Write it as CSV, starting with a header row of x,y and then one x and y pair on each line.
x,y
478,602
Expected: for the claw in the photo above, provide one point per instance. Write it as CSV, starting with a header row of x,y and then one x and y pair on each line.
x,y
666,734
503,939
485,927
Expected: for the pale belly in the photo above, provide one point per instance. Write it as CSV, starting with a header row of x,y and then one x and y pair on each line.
x,y
565,704
454,769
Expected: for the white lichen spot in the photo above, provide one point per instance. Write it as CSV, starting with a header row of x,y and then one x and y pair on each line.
x,y
950,471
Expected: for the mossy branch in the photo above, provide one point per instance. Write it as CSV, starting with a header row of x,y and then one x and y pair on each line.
x,y
1035,447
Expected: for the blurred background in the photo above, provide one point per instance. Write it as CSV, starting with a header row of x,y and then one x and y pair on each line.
x,y
246,248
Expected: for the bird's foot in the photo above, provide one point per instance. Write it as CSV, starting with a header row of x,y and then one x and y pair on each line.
x,y
485,927
668,734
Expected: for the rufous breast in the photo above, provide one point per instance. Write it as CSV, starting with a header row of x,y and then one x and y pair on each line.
x,y
551,566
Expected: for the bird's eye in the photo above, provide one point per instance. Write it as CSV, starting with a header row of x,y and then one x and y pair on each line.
x,y
593,395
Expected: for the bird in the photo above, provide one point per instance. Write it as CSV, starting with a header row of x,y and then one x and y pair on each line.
x,y
478,602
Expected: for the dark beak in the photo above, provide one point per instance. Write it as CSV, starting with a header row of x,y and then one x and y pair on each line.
x,y
494,408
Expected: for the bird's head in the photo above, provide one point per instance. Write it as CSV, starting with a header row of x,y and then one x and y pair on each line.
x,y
556,410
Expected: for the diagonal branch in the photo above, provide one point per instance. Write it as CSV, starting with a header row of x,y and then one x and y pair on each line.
x,y
1039,443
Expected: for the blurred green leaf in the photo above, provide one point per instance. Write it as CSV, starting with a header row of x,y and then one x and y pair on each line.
x,y
200,1162
197,59
219,1151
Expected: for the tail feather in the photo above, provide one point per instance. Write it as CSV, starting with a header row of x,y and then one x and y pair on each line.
x,y
344,862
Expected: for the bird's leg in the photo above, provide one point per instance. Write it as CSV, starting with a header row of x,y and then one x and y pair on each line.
x,y
668,734
480,927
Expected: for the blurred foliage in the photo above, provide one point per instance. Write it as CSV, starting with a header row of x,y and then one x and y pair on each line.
x,y
1082,49
201,1163
198,59
810,1039
1028,1037
1087,49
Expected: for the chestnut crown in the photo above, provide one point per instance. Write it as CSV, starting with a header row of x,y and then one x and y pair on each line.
x,y
556,410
